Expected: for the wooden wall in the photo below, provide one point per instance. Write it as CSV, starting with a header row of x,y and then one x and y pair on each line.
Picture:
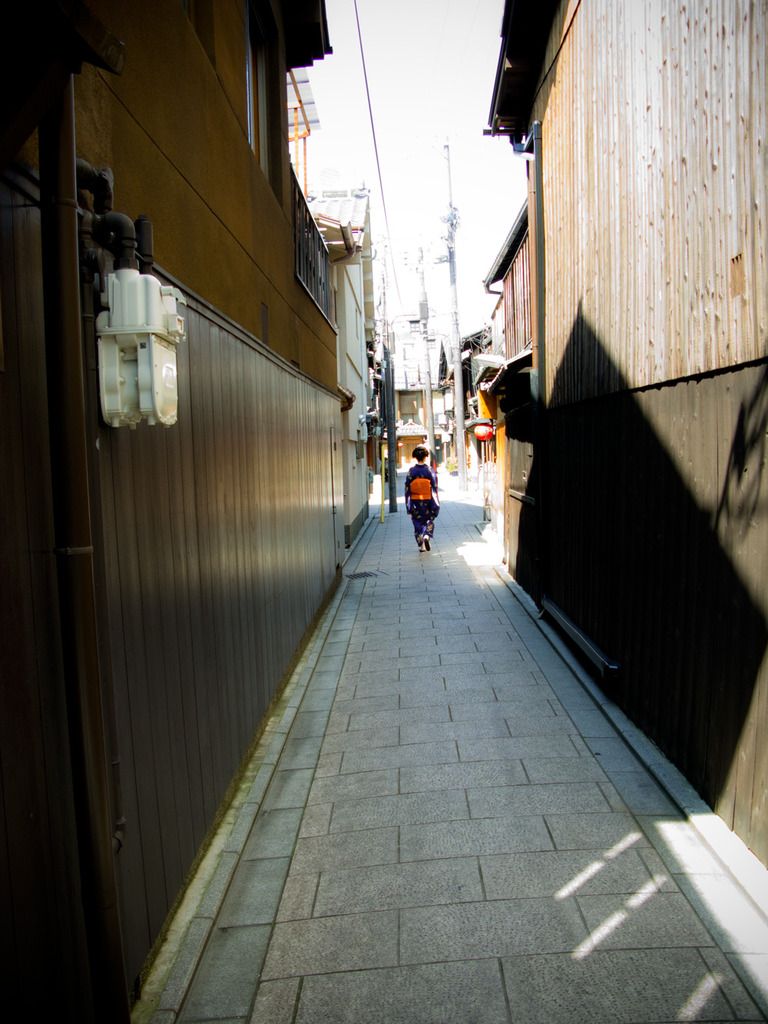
x,y
521,547
42,939
220,547
516,308
654,497
655,184
216,546
665,569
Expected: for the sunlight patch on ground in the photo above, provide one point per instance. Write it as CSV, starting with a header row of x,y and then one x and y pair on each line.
x,y
481,553
693,1008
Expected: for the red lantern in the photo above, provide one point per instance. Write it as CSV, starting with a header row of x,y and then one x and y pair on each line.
x,y
483,431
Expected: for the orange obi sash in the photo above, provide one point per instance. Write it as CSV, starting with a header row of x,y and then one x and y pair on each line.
x,y
421,488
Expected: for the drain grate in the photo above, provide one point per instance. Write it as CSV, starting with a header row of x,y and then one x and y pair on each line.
x,y
361,575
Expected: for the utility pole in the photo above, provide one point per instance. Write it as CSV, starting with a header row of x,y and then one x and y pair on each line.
x,y
389,406
452,220
429,411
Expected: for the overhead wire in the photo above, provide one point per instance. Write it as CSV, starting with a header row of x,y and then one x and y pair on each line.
x,y
375,147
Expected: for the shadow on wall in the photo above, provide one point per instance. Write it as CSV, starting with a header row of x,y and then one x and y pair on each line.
x,y
661,559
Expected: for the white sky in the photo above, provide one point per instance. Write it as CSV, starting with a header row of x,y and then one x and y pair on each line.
x,y
431,67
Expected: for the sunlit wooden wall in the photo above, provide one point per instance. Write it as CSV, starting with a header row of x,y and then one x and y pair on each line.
x,y
654,489
655,185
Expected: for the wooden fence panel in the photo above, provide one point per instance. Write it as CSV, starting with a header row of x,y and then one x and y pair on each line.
x,y
219,551
655,189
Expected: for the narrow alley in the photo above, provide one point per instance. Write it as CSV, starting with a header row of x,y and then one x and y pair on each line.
x,y
447,822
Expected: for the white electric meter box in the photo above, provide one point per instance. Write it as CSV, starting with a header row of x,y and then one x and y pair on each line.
x,y
138,335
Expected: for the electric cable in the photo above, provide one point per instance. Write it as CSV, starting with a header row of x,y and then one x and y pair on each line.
x,y
376,148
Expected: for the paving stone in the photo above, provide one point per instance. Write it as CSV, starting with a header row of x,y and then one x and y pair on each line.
x,y
641,793
299,893
276,1002
393,886
426,732
396,757
563,769
537,799
563,874
309,723
517,747
646,919
366,705
729,914
302,753
361,784
473,838
508,710
462,776
458,993
361,739
274,833
440,696
380,812
624,987
346,849
540,725
325,945
227,976
254,893
288,789
492,929
595,831
316,820
400,717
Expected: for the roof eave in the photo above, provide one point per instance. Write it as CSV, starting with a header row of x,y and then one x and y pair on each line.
x,y
524,34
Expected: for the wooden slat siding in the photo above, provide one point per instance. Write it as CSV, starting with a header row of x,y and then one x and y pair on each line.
x,y
653,135
40,899
186,583
201,466
222,555
512,453
214,552
638,563
516,308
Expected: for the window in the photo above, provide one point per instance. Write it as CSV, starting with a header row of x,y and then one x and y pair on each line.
x,y
256,81
409,405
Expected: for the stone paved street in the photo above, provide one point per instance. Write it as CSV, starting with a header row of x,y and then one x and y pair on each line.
x,y
447,823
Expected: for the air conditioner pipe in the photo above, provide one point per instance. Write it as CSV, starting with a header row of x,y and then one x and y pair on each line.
x,y
117,233
145,244
99,181
74,561
92,264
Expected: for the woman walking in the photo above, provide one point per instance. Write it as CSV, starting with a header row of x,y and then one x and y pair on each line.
x,y
421,499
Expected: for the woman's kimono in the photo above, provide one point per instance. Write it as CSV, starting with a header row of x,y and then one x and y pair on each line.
x,y
422,502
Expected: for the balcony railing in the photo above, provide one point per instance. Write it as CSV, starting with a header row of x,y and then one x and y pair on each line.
x,y
312,263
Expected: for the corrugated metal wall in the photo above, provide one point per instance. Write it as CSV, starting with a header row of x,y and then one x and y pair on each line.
x,y
41,918
655,182
216,546
219,549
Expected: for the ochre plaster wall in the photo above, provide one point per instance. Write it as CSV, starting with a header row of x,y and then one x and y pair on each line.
x,y
173,128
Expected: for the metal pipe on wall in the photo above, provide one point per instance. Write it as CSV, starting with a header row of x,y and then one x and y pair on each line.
x,y
74,550
538,324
